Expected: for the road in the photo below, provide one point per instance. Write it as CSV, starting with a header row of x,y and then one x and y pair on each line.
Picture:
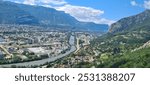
x,y
78,46
43,61
4,49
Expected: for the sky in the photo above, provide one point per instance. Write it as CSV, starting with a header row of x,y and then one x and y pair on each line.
x,y
97,11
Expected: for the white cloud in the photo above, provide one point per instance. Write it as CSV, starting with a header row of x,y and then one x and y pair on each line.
x,y
30,2
147,4
56,2
17,2
105,21
48,6
53,2
85,14
134,3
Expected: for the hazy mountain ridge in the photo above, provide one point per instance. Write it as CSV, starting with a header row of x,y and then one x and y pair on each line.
x,y
13,13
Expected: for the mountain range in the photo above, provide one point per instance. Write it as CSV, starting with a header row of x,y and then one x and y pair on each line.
x,y
14,13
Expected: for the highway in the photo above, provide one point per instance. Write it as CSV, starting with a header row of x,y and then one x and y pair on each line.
x,y
43,61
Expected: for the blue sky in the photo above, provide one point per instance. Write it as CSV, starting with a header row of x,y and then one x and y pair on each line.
x,y
114,9
98,11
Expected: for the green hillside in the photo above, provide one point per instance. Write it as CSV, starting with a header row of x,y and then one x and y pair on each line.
x,y
137,59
